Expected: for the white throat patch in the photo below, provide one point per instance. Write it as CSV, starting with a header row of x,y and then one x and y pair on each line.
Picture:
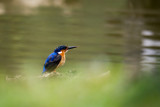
x,y
60,52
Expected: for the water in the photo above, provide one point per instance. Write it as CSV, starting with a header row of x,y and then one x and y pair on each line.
x,y
105,31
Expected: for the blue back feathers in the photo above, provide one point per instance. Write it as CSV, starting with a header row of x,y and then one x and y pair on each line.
x,y
50,58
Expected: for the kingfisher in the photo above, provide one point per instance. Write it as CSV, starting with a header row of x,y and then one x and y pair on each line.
x,y
56,59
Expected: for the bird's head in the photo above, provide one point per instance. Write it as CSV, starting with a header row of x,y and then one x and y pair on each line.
x,y
63,49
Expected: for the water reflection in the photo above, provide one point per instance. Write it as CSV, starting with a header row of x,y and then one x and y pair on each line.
x,y
27,7
139,24
127,32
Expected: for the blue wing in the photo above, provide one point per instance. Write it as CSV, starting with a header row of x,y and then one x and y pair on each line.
x,y
51,62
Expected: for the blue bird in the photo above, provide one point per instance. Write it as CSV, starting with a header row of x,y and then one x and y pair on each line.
x,y
56,59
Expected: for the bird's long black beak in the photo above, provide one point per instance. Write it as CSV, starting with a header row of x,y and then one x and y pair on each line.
x,y
71,47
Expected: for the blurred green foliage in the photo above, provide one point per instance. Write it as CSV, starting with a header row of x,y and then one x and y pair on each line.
x,y
81,89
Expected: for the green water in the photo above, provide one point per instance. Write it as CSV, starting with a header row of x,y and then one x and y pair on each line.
x,y
121,32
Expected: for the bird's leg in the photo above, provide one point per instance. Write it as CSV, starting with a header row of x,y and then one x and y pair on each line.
x,y
53,72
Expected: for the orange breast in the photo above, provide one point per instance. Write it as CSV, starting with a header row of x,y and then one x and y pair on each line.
x,y
63,58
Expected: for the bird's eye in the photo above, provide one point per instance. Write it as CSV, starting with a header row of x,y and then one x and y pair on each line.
x,y
60,52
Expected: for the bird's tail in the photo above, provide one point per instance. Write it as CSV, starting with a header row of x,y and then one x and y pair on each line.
x,y
44,69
